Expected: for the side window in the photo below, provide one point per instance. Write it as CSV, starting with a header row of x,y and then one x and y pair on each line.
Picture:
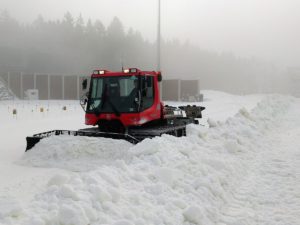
x,y
147,91
94,88
97,88
96,92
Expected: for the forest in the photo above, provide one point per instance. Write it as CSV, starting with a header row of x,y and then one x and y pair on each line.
x,y
72,45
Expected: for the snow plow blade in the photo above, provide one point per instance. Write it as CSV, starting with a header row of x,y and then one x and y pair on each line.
x,y
89,132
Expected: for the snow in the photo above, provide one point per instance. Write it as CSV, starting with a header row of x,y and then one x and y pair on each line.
x,y
241,167
76,153
5,93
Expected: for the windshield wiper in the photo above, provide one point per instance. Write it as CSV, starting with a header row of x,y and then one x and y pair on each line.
x,y
113,108
105,98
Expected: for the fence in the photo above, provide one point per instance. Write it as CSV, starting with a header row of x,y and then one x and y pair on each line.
x,y
50,86
68,86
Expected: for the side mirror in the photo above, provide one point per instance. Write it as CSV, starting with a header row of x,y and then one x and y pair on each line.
x,y
83,101
159,77
84,84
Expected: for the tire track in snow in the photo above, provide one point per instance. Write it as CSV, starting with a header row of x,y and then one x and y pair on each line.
x,y
271,192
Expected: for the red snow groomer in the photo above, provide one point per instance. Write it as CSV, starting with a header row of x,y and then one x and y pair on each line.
x,y
126,105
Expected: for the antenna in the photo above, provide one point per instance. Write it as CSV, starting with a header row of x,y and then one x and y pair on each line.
x,y
122,61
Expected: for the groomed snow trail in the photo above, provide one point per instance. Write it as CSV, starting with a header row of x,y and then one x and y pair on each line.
x,y
270,193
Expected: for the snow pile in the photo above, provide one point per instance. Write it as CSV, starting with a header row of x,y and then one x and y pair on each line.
x,y
5,93
10,207
166,180
77,154
221,105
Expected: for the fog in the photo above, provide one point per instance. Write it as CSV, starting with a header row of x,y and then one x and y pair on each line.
x,y
232,45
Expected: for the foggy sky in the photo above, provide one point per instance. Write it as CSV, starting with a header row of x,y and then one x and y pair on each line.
x,y
266,29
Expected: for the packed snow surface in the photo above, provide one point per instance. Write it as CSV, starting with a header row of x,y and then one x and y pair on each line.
x,y
241,167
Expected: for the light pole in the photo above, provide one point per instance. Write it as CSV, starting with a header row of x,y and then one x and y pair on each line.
x,y
158,38
158,48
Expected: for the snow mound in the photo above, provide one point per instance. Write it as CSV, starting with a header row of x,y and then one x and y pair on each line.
x,y
166,180
5,93
9,207
75,153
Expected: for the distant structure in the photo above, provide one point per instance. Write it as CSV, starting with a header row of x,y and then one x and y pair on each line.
x,y
48,86
180,90
294,84
45,86
31,94
170,90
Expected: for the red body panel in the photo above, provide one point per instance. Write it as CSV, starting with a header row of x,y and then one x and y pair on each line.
x,y
131,119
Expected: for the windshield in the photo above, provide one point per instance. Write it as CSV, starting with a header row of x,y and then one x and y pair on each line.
x,y
114,94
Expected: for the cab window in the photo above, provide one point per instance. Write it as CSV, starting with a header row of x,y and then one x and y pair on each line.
x,y
147,92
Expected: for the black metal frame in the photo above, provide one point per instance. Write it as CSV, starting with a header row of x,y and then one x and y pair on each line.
x,y
133,135
89,132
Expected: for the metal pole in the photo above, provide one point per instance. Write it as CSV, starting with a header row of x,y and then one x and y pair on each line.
x,y
179,90
8,80
63,87
49,85
21,85
158,38
78,87
159,48
34,81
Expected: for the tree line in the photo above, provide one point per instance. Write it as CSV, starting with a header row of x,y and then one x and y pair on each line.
x,y
72,45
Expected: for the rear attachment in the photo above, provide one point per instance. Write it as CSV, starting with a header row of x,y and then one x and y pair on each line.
x,y
89,132
134,135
